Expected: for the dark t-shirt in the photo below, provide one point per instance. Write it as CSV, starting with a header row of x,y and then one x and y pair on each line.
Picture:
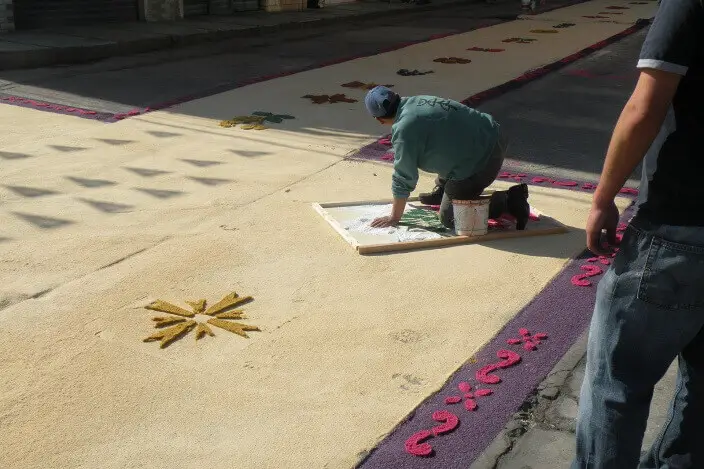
x,y
675,43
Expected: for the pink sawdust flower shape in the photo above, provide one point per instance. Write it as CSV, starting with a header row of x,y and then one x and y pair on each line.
x,y
529,341
468,396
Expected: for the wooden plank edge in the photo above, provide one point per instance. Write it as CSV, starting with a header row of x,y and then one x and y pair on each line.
x,y
336,226
362,202
455,240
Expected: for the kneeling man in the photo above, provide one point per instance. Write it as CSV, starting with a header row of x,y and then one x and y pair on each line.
x,y
463,146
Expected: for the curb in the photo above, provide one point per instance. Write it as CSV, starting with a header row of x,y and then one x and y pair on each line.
x,y
548,390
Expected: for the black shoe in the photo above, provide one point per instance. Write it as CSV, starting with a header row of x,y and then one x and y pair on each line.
x,y
434,197
517,205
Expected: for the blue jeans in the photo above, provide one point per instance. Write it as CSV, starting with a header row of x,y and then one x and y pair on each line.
x,y
649,310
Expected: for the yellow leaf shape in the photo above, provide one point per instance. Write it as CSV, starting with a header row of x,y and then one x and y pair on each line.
x,y
202,329
166,307
234,327
242,120
198,305
253,127
233,299
234,314
167,336
166,321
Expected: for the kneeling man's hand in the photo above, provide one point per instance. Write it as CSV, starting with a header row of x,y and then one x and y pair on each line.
x,y
383,222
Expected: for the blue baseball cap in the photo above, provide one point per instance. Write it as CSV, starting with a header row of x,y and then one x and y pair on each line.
x,y
380,100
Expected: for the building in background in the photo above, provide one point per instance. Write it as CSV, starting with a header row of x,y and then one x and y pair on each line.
x,y
36,14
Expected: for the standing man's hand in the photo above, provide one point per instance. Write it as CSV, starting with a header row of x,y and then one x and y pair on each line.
x,y
602,217
384,222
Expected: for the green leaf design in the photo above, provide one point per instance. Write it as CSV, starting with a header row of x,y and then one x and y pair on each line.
x,y
271,117
424,219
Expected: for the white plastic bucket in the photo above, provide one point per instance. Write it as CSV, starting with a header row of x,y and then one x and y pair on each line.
x,y
471,216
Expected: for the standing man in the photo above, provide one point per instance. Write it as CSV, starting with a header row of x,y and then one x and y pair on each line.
x,y
650,304
463,146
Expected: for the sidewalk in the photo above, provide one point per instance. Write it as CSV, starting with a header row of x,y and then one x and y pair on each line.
x,y
541,434
77,44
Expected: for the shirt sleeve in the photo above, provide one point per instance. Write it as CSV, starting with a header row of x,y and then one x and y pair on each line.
x,y
674,37
408,145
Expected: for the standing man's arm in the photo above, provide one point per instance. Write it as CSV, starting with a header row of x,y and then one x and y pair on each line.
x,y
635,131
667,53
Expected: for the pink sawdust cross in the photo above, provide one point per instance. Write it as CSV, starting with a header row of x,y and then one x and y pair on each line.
x,y
601,259
529,341
468,396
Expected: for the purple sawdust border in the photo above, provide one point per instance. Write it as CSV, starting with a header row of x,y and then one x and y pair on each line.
x,y
374,151
562,311
55,108
115,117
551,67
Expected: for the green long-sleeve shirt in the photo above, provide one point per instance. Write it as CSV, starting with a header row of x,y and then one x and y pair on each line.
x,y
439,136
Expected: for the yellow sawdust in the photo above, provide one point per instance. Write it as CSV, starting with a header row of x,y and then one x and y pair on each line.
x,y
235,121
177,327
235,327
166,307
253,127
233,299
234,314
202,329
166,321
198,305
167,336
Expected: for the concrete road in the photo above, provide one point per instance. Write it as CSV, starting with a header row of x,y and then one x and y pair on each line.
x,y
559,125
74,241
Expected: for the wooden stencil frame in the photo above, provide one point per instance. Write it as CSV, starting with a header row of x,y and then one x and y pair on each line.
x,y
559,228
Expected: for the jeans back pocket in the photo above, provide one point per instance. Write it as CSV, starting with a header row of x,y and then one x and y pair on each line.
x,y
673,276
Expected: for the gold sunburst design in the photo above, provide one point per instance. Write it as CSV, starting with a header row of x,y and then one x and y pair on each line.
x,y
182,321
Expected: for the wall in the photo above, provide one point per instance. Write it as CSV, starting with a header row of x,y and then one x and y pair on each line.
x,y
7,18
170,10
283,5
228,7
161,10
220,7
